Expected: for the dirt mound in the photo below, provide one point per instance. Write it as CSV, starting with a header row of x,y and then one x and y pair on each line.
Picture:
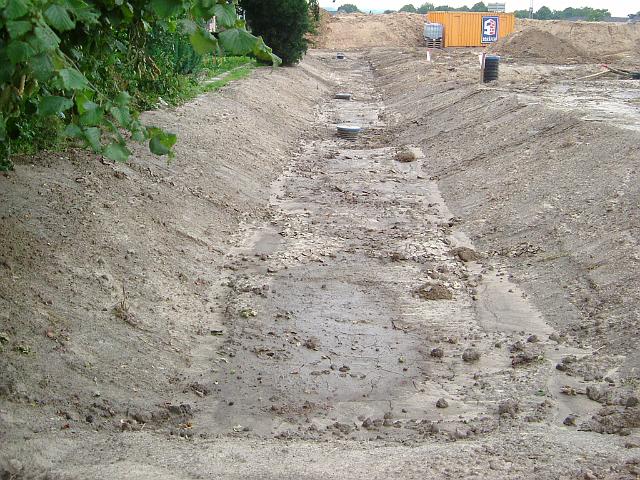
x,y
598,39
358,30
542,46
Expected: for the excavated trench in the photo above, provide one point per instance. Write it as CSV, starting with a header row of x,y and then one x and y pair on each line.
x,y
349,312
352,329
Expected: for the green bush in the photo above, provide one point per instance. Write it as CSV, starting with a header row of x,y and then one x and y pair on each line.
x,y
282,24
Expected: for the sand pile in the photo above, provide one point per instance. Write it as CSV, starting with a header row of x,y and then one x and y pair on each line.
x,y
538,45
598,39
358,30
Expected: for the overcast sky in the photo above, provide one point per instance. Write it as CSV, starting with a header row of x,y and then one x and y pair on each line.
x,y
618,8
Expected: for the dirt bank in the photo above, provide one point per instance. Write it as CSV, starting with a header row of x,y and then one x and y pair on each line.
x,y
539,185
359,30
109,273
534,45
608,41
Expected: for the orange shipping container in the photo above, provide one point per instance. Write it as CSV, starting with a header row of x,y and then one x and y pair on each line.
x,y
473,29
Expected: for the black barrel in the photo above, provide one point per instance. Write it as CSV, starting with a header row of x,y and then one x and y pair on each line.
x,y
491,67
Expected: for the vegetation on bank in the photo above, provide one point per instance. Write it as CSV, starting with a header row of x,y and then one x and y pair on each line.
x,y
34,133
283,24
83,70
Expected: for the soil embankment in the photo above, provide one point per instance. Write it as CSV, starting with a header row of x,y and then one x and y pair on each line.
x,y
597,39
540,186
109,272
359,30
538,46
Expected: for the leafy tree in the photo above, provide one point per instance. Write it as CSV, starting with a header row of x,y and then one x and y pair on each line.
x,y
444,8
521,13
314,9
409,9
479,7
348,8
464,8
282,23
49,50
426,7
544,13
386,12
597,15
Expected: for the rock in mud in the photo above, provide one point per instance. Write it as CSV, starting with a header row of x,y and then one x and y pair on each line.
x,y
437,353
199,389
311,343
617,420
182,409
368,424
471,355
570,421
554,337
508,407
442,403
465,254
437,291
406,155
601,395
142,416
523,358
343,427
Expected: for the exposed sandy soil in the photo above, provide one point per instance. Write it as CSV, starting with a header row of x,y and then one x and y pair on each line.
x,y
301,306
538,46
359,30
603,39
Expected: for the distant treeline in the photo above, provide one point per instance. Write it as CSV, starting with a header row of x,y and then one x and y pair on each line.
x,y
544,13
424,8
584,13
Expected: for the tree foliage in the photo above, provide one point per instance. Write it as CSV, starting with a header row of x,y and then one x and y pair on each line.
x,y
479,7
570,13
408,8
348,8
282,23
50,51
426,8
314,10
544,13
